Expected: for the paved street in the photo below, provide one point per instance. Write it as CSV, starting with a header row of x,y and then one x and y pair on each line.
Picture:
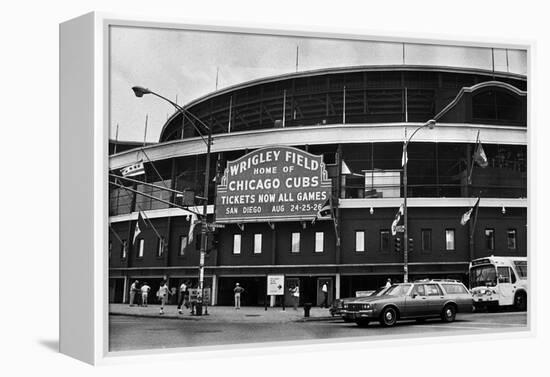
x,y
136,332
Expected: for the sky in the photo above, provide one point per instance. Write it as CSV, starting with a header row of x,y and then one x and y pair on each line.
x,y
183,65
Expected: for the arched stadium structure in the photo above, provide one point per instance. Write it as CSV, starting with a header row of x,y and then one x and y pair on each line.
x,y
357,119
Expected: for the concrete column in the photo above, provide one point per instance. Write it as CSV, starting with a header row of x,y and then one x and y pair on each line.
x,y
214,289
125,292
337,286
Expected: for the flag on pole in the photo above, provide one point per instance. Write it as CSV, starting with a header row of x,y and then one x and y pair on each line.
x,y
345,169
325,211
466,216
404,158
192,224
397,219
141,225
133,170
479,155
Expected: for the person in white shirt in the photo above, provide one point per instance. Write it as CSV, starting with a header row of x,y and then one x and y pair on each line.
x,y
145,293
295,292
388,283
181,297
324,288
163,293
133,290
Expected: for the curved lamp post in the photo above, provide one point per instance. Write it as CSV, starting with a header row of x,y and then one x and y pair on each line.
x,y
139,92
430,124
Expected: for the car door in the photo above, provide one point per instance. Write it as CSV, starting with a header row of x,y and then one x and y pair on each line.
x,y
416,302
435,299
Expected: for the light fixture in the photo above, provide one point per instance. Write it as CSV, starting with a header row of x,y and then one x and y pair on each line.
x,y
371,210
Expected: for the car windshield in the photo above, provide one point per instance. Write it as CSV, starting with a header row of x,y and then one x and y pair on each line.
x,y
485,276
378,292
398,290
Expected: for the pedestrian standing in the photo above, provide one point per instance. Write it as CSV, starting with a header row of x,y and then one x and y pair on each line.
x,y
388,283
295,293
145,288
181,297
237,291
324,288
133,292
163,293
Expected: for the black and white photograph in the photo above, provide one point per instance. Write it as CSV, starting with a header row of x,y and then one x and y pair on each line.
x,y
271,188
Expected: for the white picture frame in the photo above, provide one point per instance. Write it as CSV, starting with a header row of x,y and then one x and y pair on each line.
x,y
84,101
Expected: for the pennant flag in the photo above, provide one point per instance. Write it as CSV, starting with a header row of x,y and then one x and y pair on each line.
x,y
466,216
194,219
397,219
324,212
133,170
404,158
141,225
479,155
345,169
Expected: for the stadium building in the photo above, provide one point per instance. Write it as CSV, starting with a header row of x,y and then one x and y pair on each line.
x,y
348,125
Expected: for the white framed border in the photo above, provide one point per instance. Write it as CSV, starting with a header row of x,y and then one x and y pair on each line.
x,y
92,346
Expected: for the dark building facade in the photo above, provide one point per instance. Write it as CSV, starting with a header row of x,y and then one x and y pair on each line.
x,y
357,119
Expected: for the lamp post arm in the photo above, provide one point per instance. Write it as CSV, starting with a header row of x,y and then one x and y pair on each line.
x,y
184,113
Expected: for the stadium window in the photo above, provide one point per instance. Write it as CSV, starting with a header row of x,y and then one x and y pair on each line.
x,y
160,246
257,243
384,240
183,245
490,239
449,239
426,240
141,245
124,249
511,238
295,242
319,242
236,244
359,241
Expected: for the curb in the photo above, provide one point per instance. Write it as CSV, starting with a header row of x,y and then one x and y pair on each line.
x,y
194,318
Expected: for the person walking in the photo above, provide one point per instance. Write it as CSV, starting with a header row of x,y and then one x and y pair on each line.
x,y
295,293
133,291
388,283
324,289
145,288
163,293
181,297
237,291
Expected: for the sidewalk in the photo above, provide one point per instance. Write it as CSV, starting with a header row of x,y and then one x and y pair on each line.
x,y
225,313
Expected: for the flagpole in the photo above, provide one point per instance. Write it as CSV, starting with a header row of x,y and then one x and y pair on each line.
x,y
150,196
137,204
145,133
472,231
154,168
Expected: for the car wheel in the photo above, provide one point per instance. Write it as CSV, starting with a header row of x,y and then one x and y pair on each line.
x,y
520,301
388,317
362,322
449,313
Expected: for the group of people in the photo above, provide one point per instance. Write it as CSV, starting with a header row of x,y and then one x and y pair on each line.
x,y
139,294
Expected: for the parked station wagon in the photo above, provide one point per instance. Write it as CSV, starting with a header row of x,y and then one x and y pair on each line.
x,y
418,300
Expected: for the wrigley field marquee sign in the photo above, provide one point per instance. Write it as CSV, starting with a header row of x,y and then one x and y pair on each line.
x,y
272,184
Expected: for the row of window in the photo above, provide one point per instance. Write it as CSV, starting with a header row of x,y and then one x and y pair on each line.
x,y
360,242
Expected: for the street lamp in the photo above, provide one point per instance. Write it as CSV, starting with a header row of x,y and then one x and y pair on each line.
x,y
139,92
430,124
